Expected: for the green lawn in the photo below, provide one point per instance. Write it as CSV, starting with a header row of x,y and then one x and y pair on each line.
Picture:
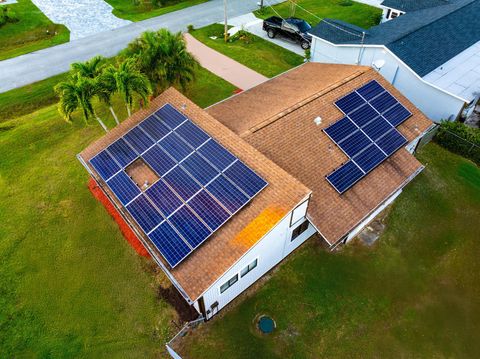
x,y
135,10
353,12
70,285
415,294
33,31
258,54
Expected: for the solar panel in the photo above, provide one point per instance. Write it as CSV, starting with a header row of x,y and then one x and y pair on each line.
x,y
354,143
171,116
155,128
345,176
176,147
350,103
369,158
190,226
144,213
172,247
199,168
200,185
397,114
391,141
138,139
245,179
227,193
341,129
370,90
192,134
367,134
209,210
158,160
182,182
164,198
383,102
122,152
105,165
123,187
216,154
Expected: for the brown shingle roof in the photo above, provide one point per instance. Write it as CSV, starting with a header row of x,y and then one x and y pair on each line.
x,y
277,119
199,270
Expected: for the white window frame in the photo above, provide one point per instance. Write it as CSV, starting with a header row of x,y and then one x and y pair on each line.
x,y
242,274
236,277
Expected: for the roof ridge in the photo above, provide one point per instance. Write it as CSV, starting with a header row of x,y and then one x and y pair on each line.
x,y
305,101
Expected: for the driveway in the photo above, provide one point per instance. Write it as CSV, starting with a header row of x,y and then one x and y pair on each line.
x,y
251,23
39,65
82,17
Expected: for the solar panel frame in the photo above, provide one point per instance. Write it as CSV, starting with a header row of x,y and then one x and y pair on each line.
x,y
216,154
369,158
182,183
383,102
121,151
159,160
163,197
391,141
192,134
154,127
192,229
105,165
341,129
176,147
170,244
123,187
170,116
144,213
354,143
228,194
199,168
370,90
345,176
397,114
139,140
245,178
209,210
350,102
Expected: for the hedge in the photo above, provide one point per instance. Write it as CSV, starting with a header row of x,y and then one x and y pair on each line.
x,y
460,139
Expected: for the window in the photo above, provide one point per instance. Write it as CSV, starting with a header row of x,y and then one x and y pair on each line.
x,y
248,268
299,230
394,14
228,284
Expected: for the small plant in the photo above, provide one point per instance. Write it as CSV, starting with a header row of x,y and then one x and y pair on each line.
x,y
345,3
7,15
190,28
308,55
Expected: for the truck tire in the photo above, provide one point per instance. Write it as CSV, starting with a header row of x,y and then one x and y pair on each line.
x,y
305,44
271,33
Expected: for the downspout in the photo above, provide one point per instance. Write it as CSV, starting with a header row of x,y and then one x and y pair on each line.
x,y
360,52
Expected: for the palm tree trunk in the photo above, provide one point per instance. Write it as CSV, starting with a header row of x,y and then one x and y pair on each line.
x,y
128,111
101,123
114,115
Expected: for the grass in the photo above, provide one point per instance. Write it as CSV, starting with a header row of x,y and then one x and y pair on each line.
x,y
350,11
258,54
415,294
27,99
33,31
140,10
70,285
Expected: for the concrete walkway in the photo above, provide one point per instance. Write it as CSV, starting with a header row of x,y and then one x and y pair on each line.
x,y
39,65
223,66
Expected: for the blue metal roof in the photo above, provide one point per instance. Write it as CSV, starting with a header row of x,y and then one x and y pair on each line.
x,y
423,39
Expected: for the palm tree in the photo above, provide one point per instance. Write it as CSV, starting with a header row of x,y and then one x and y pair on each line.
x,y
106,86
130,81
77,93
91,68
163,58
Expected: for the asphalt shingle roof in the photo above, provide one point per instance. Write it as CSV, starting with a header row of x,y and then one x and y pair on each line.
x,y
412,5
423,39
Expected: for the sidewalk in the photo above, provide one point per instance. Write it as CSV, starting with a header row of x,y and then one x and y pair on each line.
x,y
223,66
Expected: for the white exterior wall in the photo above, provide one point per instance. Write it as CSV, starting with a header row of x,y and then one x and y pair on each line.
x,y
436,103
269,251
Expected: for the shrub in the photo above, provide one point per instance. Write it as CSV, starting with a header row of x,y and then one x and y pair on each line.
x,y
190,28
460,139
7,15
345,3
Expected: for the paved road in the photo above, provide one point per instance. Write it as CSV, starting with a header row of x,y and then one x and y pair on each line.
x,y
39,65
223,66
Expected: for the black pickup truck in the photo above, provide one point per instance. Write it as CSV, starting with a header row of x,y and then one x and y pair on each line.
x,y
292,28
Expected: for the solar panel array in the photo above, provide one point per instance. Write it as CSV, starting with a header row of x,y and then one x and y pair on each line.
x,y
201,183
367,133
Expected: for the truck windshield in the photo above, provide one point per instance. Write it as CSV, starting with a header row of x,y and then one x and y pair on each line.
x,y
303,26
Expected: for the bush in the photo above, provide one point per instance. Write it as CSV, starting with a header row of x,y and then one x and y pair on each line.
x,y
190,28
7,15
460,139
345,3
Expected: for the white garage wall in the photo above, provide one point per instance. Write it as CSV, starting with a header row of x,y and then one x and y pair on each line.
x,y
434,102
269,251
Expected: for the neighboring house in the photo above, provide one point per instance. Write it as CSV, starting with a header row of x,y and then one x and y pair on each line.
x,y
273,202
396,8
431,55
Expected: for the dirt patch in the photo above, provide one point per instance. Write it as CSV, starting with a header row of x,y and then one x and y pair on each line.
x,y
186,312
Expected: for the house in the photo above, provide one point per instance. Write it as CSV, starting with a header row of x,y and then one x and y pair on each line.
x,y
396,8
432,55
269,145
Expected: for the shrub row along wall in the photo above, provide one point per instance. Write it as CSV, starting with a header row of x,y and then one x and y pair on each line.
x,y
460,139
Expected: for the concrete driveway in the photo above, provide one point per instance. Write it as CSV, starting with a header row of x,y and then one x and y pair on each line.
x,y
251,23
